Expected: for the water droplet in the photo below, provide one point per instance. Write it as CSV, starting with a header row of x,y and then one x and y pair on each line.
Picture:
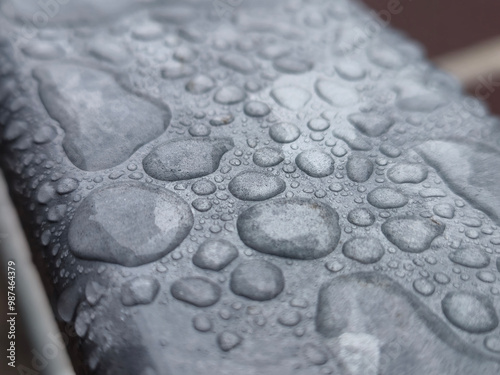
x,y
94,135
202,205
204,187
472,312
350,70
462,166
256,186
56,213
196,291
256,109
432,193
44,134
412,234
220,120
365,250
138,223
385,198
277,227
185,54
385,56
390,150
45,193
424,287
109,51
318,125
486,276
441,278
177,70
444,210
314,354
352,138
407,173
147,32
200,84
470,257
292,66
43,50
257,280
229,95
202,323
274,51
334,94
268,157
238,63
228,340
361,217
492,343
199,130
359,168
68,302
315,163
184,159
215,254
372,125
284,132
291,97
93,292
139,291
289,318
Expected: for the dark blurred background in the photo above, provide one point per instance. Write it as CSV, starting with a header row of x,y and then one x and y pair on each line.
x,y
447,28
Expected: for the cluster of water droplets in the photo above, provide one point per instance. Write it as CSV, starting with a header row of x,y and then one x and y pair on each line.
x,y
220,173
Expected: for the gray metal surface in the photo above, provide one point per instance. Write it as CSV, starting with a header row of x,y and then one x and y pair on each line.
x,y
252,188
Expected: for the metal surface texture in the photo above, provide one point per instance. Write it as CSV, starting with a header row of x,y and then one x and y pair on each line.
x,y
251,187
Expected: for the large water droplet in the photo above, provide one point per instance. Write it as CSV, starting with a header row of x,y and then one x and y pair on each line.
x,y
365,250
292,66
284,132
129,224
315,163
385,198
470,169
139,291
196,291
184,159
291,97
238,63
229,95
361,217
200,84
215,254
268,157
470,257
412,234
359,168
256,109
256,186
407,173
471,312
228,340
334,94
372,125
204,187
100,118
424,287
385,56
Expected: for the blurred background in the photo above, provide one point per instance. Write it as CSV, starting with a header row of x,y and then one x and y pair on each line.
x,y
460,36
